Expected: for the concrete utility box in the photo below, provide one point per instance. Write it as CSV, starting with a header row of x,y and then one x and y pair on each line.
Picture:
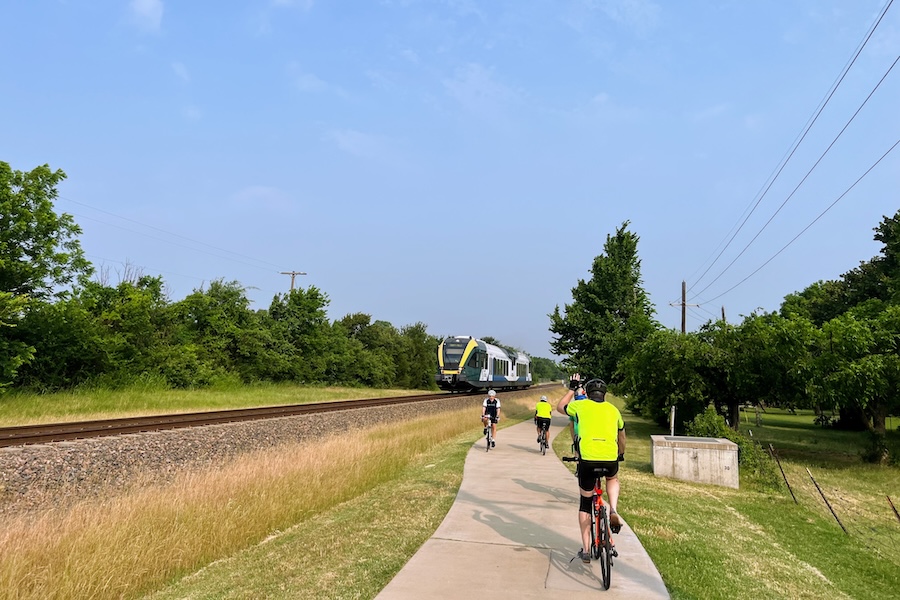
x,y
701,460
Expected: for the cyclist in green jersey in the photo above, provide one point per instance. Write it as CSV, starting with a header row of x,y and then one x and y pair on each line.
x,y
543,410
600,443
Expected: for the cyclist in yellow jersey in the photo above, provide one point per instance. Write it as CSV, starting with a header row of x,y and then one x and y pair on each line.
x,y
543,410
600,443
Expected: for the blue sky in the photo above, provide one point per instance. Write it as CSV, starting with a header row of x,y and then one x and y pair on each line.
x,y
460,163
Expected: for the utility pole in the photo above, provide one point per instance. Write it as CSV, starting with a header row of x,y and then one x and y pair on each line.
x,y
293,275
684,306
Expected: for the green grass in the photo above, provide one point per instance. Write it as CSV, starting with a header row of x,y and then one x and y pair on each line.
x,y
711,542
25,408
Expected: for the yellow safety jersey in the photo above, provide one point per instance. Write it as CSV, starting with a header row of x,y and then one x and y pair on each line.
x,y
543,410
598,425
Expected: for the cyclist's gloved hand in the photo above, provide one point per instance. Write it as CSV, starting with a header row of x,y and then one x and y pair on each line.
x,y
574,384
621,457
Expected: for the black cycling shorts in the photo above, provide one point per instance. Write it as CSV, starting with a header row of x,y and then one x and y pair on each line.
x,y
587,476
543,423
493,418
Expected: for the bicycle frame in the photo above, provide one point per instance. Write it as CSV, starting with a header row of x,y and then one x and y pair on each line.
x,y
545,441
603,548
489,434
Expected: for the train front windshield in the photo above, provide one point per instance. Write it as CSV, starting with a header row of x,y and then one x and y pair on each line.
x,y
453,351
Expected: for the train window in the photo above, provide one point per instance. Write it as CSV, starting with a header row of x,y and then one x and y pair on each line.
x,y
501,367
453,353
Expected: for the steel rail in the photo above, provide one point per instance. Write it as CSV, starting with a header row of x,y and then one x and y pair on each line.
x,y
57,432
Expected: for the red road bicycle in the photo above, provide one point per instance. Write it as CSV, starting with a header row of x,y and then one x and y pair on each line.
x,y
603,549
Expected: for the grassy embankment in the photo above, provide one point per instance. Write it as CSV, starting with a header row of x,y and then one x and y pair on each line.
x,y
83,405
278,525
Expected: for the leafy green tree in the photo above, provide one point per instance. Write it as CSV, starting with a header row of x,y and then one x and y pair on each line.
x,y
13,353
416,364
136,320
38,251
545,369
219,328
876,279
859,366
666,371
820,302
610,315
769,361
70,345
376,364
38,248
300,321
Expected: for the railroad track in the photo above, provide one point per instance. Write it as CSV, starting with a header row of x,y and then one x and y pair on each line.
x,y
77,430
58,432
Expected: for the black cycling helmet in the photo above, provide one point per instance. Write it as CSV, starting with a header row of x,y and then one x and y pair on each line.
x,y
594,385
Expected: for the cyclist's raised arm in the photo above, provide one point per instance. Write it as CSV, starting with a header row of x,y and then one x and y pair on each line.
x,y
564,402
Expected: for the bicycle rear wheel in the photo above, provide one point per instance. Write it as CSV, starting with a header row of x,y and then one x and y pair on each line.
x,y
604,548
544,442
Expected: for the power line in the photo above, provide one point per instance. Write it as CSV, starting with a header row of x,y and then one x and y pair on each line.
x,y
167,233
174,243
808,173
127,265
766,187
830,206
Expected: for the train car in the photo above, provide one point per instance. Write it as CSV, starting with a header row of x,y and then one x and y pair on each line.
x,y
466,363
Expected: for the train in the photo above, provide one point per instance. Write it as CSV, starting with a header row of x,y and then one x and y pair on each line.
x,y
467,364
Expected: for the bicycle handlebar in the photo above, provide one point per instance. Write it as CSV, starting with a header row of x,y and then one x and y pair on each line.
x,y
570,459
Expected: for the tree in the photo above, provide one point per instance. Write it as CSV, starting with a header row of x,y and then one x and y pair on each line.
x,y
610,315
859,367
545,369
38,248
667,370
13,353
218,327
416,364
299,319
875,279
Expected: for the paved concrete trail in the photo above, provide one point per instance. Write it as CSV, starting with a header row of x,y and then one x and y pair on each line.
x,y
512,531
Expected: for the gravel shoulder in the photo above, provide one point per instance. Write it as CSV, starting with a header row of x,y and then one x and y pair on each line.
x,y
59,474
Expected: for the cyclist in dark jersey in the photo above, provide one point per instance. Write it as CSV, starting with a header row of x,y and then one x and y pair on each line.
x,y
490,414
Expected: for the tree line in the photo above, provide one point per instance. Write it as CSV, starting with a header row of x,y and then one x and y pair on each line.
x,y
62,325
833,347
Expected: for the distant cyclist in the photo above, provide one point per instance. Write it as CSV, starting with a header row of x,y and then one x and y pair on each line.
x,y
600,443
490,414
543,410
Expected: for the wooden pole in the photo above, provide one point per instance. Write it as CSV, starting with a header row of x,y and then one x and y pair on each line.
x,y
828,504
896,514
293,274
775,456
